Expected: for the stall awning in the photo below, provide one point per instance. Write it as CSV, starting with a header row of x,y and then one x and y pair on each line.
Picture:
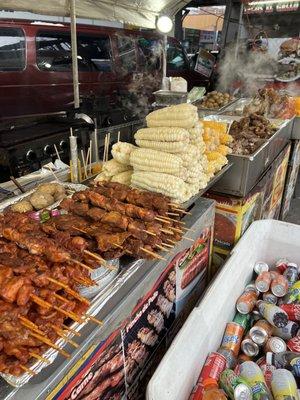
x,y
134,12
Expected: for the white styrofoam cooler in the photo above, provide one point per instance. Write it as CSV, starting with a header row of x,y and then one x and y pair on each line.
x,y
266,240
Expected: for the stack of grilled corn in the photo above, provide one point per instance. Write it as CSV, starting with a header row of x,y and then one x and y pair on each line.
x,y
217,143
170,158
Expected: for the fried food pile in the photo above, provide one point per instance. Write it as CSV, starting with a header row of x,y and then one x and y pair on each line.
x,y
249,133
216,100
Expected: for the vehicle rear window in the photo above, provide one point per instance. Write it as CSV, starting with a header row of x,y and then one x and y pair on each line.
x,y
175,58
12,49
54,52
127,53
150,53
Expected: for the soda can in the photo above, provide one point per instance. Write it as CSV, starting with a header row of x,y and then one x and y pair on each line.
x,y
197,392
292,310
265,364
281,265
284,385
255,315
295,364
246,302
229,356
244,320
287,332
260,267
243,357
249,348
254,377
291,273
275,345
263,282
269,297
293,294
215,363
273,314
274,274
294,344
279,286
232,337
235,387
260,332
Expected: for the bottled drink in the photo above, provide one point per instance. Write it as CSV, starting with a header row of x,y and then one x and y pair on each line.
x,y
212,391
291,273
273,314
284,385
253,375
287,332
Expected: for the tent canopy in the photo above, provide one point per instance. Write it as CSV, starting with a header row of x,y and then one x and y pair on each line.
x,y
135,12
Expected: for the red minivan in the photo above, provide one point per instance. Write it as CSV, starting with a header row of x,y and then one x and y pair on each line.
x,y
116,66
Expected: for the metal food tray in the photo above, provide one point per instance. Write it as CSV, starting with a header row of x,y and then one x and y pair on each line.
x,y
203,110
246,170
67,185
237,108
296,128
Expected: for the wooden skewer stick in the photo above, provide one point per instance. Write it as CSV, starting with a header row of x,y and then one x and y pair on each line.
x,y
83,282
40,358
119,134
174,220
94,256
188,229
149,233
173,204
167,231
28,370
171,241
81,264
177,230
167,245
40,302
187,238
70,330
160,219
161,247
68,314
117,245
50,344
175,214
182,211
32,328
63,299
79,230
61,334
97,321
70,291
154,255
128,252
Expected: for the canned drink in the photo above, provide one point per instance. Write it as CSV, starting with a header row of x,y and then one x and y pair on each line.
x,y
279,286
246,302
249,348
260,267
243,357
229,356
287,332
265,364
261,331
235,387
274,274
281,265
291,273
273,314
293,294
269,297
253,375
215,364
292,310
295,364
232,337
244,320
263,282
197,392
294,344
275,345
283,385
255,315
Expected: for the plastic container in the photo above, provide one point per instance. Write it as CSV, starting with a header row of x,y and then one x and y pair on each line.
x,y
202,333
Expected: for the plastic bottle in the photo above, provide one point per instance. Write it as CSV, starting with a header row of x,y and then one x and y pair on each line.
x,y
253,375
212,391
284,385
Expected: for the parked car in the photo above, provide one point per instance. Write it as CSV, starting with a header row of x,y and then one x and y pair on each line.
x,y
117,67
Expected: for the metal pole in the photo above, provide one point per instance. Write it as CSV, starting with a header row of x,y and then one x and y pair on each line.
x,y
74,53
164,85
239,30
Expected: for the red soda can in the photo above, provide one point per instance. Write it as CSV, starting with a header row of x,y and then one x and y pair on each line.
x,y
197,392
292,310
232,337
213,367
280,286
294,344
263,281
281,265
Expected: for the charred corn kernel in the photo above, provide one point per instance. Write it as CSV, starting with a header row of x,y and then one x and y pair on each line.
x,y
225,138
213,155
121,152
181,115
163,134
123,177
113,167
168,147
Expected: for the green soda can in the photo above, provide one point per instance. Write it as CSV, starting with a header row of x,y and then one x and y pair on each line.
x,y
234,386
244,320
254,377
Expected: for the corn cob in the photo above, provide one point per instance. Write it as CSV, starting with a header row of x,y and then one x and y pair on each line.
x,y
224,150
113,167
168,147
182,116
123,177
157,161
168,185
121,152
225,138
163,134
102,177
